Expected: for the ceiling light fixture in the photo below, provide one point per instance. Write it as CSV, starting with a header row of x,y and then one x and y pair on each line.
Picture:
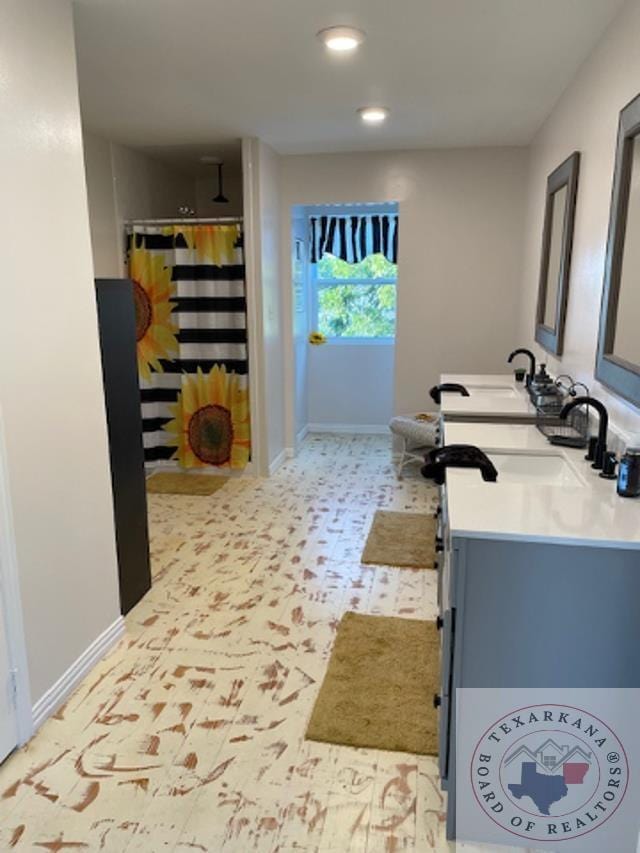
x,y
373,115
341,39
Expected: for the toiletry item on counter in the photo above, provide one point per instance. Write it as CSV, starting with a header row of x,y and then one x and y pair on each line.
x,y
629,473
519,374
544,392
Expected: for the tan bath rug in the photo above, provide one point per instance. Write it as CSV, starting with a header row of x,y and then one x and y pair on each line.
x,y
379,687
185,484
402,539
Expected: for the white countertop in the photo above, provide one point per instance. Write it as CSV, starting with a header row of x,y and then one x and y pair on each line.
x,y
490,395
588,514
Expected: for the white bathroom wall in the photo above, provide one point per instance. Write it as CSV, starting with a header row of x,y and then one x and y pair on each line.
x,y
584,119
299,284
107,262
122,184
265,295
273,352
461,220
146,187
350,387
50,373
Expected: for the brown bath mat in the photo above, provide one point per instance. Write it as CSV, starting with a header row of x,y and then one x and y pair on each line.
x,y
402,539
185,484
379,686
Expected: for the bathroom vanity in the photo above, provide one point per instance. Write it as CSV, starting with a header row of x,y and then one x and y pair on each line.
x,y
539,581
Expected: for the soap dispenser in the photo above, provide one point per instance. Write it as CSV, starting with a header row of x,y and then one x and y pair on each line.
x,y
629,473
544,392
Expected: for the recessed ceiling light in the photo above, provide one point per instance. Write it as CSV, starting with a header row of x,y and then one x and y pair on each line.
x,y
373,115
341,39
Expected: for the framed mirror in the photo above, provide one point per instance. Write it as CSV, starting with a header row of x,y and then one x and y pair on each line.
x,y
555,264
618,355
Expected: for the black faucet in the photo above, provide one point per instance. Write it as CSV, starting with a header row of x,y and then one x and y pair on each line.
x,y
458,456
532,362
601,446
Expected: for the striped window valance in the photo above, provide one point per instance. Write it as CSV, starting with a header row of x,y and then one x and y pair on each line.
x,y
352,238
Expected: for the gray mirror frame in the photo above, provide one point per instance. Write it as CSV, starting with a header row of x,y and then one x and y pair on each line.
x,y
618,375
552,339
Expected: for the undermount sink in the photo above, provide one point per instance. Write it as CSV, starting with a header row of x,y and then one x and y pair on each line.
x,y
501,391
541,469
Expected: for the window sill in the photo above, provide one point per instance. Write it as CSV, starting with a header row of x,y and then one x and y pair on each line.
x,y
360,342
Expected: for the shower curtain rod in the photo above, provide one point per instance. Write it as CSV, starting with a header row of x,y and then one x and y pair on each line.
x,y
183,220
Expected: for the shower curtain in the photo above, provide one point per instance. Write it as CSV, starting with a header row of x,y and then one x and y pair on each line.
x,y
191,331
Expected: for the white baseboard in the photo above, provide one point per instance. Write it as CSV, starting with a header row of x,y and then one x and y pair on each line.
x,y
292,452
58,693
351,429
277,462
302,435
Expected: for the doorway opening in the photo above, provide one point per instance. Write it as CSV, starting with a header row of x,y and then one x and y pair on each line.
x,y
345,279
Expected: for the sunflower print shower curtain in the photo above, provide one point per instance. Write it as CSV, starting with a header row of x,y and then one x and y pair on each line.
x,y
191,331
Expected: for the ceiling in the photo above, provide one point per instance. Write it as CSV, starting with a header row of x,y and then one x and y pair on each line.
x,y
204,72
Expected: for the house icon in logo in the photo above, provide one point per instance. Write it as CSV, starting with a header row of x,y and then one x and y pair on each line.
x,y
550,757
546,772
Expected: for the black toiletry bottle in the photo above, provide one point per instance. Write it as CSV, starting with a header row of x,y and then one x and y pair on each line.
x,y
629,473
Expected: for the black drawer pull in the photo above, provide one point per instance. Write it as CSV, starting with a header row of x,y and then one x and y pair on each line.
x,y
437,701
439,623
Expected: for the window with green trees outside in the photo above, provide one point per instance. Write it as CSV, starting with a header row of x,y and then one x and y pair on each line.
x,y
355,300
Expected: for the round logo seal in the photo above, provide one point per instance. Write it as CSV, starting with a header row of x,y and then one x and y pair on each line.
x,y
549,772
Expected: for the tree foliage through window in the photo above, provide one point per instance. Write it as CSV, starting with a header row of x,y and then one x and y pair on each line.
x,y
373,266
364,306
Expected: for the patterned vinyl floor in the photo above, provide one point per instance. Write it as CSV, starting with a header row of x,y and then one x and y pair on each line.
x,y
189,736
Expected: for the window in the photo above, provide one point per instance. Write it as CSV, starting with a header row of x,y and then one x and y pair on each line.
x,y
355,301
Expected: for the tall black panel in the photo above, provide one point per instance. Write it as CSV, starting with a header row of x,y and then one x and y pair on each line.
x,y
116,318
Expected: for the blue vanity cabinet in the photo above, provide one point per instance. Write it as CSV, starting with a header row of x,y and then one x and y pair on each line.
x,y
533,613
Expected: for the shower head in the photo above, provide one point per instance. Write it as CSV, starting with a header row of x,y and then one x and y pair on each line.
x,y
220,198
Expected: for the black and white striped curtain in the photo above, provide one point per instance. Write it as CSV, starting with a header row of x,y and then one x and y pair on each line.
x,y
352,238
191,330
